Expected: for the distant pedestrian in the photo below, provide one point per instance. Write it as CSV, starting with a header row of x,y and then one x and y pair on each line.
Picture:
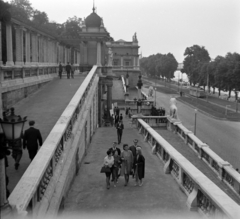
x,y
60,70
68,70
120,128
126,111
72,71
139,167
116,119
117,111
127,163
108,162
31,140
129,112
121,117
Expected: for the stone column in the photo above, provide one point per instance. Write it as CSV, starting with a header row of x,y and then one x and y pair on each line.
x,y
19,45
27,47
137,65
66,57
99,54
9,45
33,52
0,49
85,54
134,63
121,62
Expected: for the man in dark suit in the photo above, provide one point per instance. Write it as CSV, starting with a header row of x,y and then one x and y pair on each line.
x,y
120,128
68,70
31,139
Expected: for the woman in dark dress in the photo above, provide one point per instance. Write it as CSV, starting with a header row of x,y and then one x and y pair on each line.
x,y
139,167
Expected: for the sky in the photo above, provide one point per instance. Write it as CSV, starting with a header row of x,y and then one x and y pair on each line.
x,y
162,26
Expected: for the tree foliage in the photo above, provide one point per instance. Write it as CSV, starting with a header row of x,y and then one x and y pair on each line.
x,y
4,12
159,65
40,18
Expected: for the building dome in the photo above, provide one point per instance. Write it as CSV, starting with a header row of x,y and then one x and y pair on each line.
x,y
93,20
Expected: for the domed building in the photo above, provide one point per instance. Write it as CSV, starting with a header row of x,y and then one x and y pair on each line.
x,y
94,37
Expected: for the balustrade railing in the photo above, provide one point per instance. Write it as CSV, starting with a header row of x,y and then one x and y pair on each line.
x,y
33,185
203,194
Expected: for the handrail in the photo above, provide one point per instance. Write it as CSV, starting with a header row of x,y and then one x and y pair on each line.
x,y
186,173
41,170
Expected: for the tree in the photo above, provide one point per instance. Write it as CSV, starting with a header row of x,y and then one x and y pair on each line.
x,y
5,15
72,27
194,57
21,9
39,18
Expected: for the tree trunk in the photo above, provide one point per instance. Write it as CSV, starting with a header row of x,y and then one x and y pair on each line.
x,y
229,93
219,92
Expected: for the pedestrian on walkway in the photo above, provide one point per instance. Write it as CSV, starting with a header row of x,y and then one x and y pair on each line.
x,y
120,128
108,162
117,111
126,111
32,139
139,167
133,148
127,163
116,119
17,152
116,167
60,70
68,70
121,117
72,71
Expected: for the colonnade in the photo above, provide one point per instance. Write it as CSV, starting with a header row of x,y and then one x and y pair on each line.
x,y
32,47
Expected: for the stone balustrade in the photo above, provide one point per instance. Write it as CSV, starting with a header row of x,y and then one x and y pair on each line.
x,y
203,195
42,188
222,168
153,121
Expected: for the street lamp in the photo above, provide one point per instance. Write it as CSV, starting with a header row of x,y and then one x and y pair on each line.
x,y
195,123
12,127
155,96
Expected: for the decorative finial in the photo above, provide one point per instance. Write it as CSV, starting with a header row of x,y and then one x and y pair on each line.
x,y
93,7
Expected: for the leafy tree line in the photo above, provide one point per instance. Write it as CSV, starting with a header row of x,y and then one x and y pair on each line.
x,y
22,10
159,65
222,72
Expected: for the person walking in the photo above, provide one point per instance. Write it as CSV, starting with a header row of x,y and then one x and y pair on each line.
x,y
116,119
108,162
121,117
60,70
120,128
68,70
127,163
133,148
72,71
32,139
139,167
116,167
17,152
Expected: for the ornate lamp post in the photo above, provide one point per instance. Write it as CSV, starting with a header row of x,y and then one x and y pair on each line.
x,y
12,127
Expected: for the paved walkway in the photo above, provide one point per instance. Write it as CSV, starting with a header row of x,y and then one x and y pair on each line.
x,y
189,154
45,107
159,196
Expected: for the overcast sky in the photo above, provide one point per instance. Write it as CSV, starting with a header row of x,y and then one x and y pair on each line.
x,y
162,26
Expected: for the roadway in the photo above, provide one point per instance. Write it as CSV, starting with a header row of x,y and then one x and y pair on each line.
x,y
222,136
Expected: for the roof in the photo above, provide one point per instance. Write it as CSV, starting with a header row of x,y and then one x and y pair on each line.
x,y
120,40
93,20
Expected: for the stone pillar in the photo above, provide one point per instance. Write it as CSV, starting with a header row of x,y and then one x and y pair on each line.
x,y
121,62
27,47
0,51
9,45
134,62
33,52
19,45
137,64
85,54
99,54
